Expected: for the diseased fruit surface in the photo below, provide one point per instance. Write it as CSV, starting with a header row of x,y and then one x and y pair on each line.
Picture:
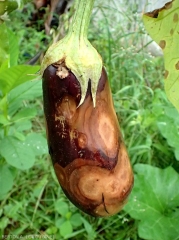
x,y
85,144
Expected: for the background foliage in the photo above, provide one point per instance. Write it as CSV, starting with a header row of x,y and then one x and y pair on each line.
x,y
31,199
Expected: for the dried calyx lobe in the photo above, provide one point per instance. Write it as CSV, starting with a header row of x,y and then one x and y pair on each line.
x,y
85,144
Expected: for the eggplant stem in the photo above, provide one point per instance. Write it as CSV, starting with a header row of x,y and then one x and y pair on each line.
x,y
79,56
81,19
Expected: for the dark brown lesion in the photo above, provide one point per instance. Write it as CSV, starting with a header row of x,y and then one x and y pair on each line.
x,y
162,44
155,13
177,66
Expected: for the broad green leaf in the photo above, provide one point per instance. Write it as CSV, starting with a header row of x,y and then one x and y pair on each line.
x,y
17,153
38,143
23,125
3,105
59,221
177,153
4,43
27,91
20,136
61,207
8,6
3,120
6,180
163,27
9,47
87,226
169,131
66,228
51,230
154,202
26,113
92,234
14,76
76,220
4,222
13,48
172,113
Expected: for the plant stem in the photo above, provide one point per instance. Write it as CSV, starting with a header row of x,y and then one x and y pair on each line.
x,y
81,19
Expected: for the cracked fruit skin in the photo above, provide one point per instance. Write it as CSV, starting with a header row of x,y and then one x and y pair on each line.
x,y
85,144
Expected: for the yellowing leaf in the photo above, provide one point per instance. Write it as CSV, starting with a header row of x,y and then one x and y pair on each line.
x,y
163,26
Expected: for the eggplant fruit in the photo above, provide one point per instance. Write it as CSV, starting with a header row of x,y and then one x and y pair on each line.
x,y
84,138
85,144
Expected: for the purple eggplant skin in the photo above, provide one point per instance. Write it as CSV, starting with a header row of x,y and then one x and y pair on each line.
x,y
85,144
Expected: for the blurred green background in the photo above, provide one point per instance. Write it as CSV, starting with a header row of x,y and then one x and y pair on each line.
x,y
32,202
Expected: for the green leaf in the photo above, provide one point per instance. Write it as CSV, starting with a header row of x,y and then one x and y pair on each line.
x,y
51,230
169,130
4,43
3,120
163,27
4,222
87,226
23,125
6,180
61,207
66,228
172,113
39,187
20,230
14,76
26,91
18,135
26,113
11,210
8,6
76,220
176,153
17,153
59,221
154,202
75,233
38,143
13,48
9,47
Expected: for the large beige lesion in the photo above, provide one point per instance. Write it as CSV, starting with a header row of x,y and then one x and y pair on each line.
x,y
104,130
102,126
105,191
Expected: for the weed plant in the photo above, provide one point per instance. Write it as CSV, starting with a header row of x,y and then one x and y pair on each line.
x,y
32,203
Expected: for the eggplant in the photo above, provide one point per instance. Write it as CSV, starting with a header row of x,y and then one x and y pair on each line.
x,y
84,139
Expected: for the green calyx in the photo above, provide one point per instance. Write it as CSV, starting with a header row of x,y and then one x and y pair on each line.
x,y
76,52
